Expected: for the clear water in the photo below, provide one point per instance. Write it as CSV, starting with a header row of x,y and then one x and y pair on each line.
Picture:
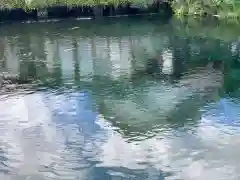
x,y
132,99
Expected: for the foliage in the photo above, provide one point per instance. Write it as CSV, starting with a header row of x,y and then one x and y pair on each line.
x,y
26,4
218,8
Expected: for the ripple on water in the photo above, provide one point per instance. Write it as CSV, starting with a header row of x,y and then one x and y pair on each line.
x,y
62,151
115,106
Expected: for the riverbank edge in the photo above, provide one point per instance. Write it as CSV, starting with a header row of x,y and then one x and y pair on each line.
x,y
91,12
228,16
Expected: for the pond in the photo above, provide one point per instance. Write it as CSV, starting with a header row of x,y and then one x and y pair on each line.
x,y
130,98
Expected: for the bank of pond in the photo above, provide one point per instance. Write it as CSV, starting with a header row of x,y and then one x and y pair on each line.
x,y
84,11
35,9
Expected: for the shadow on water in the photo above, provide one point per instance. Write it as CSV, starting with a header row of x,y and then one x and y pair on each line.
x,y
118,100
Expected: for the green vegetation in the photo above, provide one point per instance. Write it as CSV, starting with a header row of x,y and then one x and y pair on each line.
x,y
224,9
220,8
71,3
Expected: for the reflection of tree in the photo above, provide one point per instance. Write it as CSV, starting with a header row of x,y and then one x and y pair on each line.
x,y
138,61
132,53
231,76
110,116
227,59
94,54
52,76
2,52
32,58
28,69
181,54
57,71
39,53
76,61
151,103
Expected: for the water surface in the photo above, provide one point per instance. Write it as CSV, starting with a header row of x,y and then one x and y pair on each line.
x,y
132,99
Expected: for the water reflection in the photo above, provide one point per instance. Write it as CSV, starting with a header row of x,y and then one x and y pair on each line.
x,y
140,103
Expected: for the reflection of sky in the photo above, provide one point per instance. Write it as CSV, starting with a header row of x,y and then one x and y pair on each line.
x,y
225,111
48,136
76,108
40,139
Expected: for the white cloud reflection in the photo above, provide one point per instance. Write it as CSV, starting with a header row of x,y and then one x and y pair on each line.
x,y
35,146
